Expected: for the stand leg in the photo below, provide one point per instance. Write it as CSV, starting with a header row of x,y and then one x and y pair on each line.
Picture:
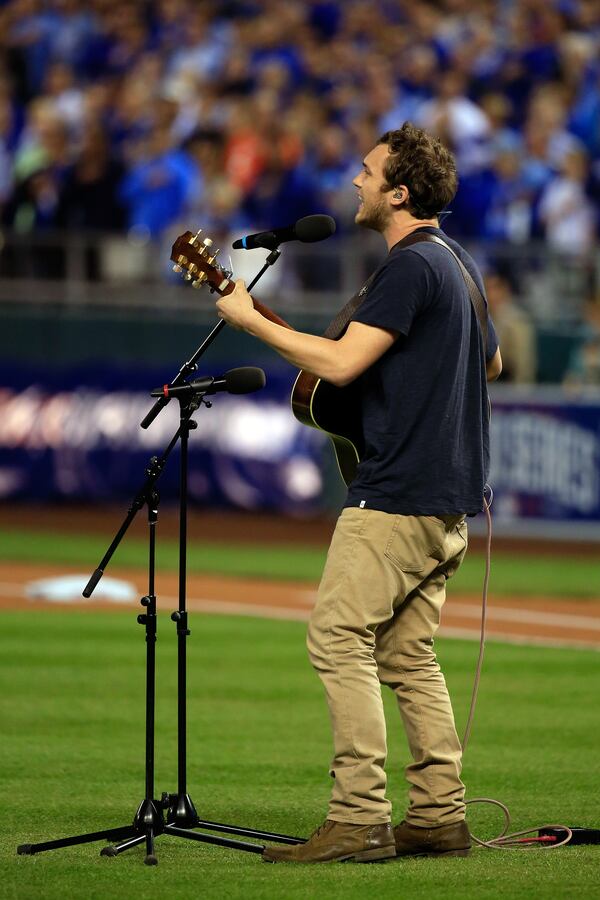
x,y
150,859
213,839
109,834
251,832
125,845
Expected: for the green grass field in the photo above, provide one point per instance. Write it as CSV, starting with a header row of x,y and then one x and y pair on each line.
x,y
72,760
513,575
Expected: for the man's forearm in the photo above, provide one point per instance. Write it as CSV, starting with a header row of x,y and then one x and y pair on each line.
x,y
318,355
338,362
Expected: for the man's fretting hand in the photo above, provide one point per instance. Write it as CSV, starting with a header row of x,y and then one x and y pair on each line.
x,y
237,308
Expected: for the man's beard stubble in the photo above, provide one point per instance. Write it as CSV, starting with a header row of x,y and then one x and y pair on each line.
x,y
376,218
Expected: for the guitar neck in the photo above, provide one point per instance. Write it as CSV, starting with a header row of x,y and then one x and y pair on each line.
x,y
269,314
195,259
259,307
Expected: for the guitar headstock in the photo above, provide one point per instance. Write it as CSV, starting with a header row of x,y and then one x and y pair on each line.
x,y
195,258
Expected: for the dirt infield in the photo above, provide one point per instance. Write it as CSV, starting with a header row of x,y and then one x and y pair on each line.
x,y
543,620
539,620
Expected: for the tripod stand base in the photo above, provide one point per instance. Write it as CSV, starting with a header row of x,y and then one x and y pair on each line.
x,y
149,823
180,810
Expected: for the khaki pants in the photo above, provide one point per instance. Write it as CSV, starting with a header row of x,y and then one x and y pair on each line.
x,y
377,610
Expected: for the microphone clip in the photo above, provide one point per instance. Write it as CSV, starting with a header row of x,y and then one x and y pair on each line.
x,y
273,256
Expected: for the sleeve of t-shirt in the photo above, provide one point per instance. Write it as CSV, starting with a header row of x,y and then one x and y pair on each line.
x,y
399,291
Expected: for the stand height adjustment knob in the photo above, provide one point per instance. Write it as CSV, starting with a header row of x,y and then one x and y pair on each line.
x,y
182,621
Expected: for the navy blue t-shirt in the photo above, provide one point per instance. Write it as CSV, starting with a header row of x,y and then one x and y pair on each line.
x,y
424,402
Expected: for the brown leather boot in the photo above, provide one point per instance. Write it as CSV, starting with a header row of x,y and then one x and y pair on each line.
x,y
443,840
338,841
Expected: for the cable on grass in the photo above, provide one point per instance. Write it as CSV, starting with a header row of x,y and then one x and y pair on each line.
x,y
515,840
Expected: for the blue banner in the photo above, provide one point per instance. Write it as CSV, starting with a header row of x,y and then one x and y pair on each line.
x,y
76,435
545,458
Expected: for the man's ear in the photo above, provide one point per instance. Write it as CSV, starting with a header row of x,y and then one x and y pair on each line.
x,y
401,193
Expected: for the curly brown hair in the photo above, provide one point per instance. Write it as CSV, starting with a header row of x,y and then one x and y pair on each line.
x,y
422,163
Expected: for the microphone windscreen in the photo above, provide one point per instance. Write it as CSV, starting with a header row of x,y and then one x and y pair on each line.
x,y
314,228
245,380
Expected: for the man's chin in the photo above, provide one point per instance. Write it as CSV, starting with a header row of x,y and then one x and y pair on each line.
x,y
361,220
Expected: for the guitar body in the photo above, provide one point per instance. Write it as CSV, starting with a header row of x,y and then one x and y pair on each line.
x,y
334,410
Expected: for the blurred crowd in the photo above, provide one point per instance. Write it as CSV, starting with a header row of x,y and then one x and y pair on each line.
x,y
132,115
248,114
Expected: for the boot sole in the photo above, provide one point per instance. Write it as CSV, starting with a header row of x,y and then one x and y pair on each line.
x,y
431,853
378,854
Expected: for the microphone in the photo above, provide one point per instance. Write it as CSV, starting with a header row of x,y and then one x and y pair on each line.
x,y
308,230
244,380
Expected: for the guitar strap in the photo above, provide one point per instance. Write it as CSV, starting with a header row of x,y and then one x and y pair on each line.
x,y
341,321
475,294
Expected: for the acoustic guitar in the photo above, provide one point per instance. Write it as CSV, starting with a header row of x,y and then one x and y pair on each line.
x,y
317,403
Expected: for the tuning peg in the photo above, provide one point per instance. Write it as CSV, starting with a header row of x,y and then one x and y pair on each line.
x,y
202,277
176,268
193,240
212,258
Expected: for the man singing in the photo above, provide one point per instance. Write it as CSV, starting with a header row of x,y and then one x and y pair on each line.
x,y
415,350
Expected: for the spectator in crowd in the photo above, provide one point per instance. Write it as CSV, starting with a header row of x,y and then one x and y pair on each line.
x,y
514,328
9,132
89,198
584,365
64,95
502,135
333,164
565,211
158,183
41,160
459,122
415,86
205,44
214,199
128,38
508,217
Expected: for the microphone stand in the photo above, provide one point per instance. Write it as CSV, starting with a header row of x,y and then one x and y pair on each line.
x,y
181,815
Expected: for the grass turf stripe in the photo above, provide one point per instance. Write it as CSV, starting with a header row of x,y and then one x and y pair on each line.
x,y
564,576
